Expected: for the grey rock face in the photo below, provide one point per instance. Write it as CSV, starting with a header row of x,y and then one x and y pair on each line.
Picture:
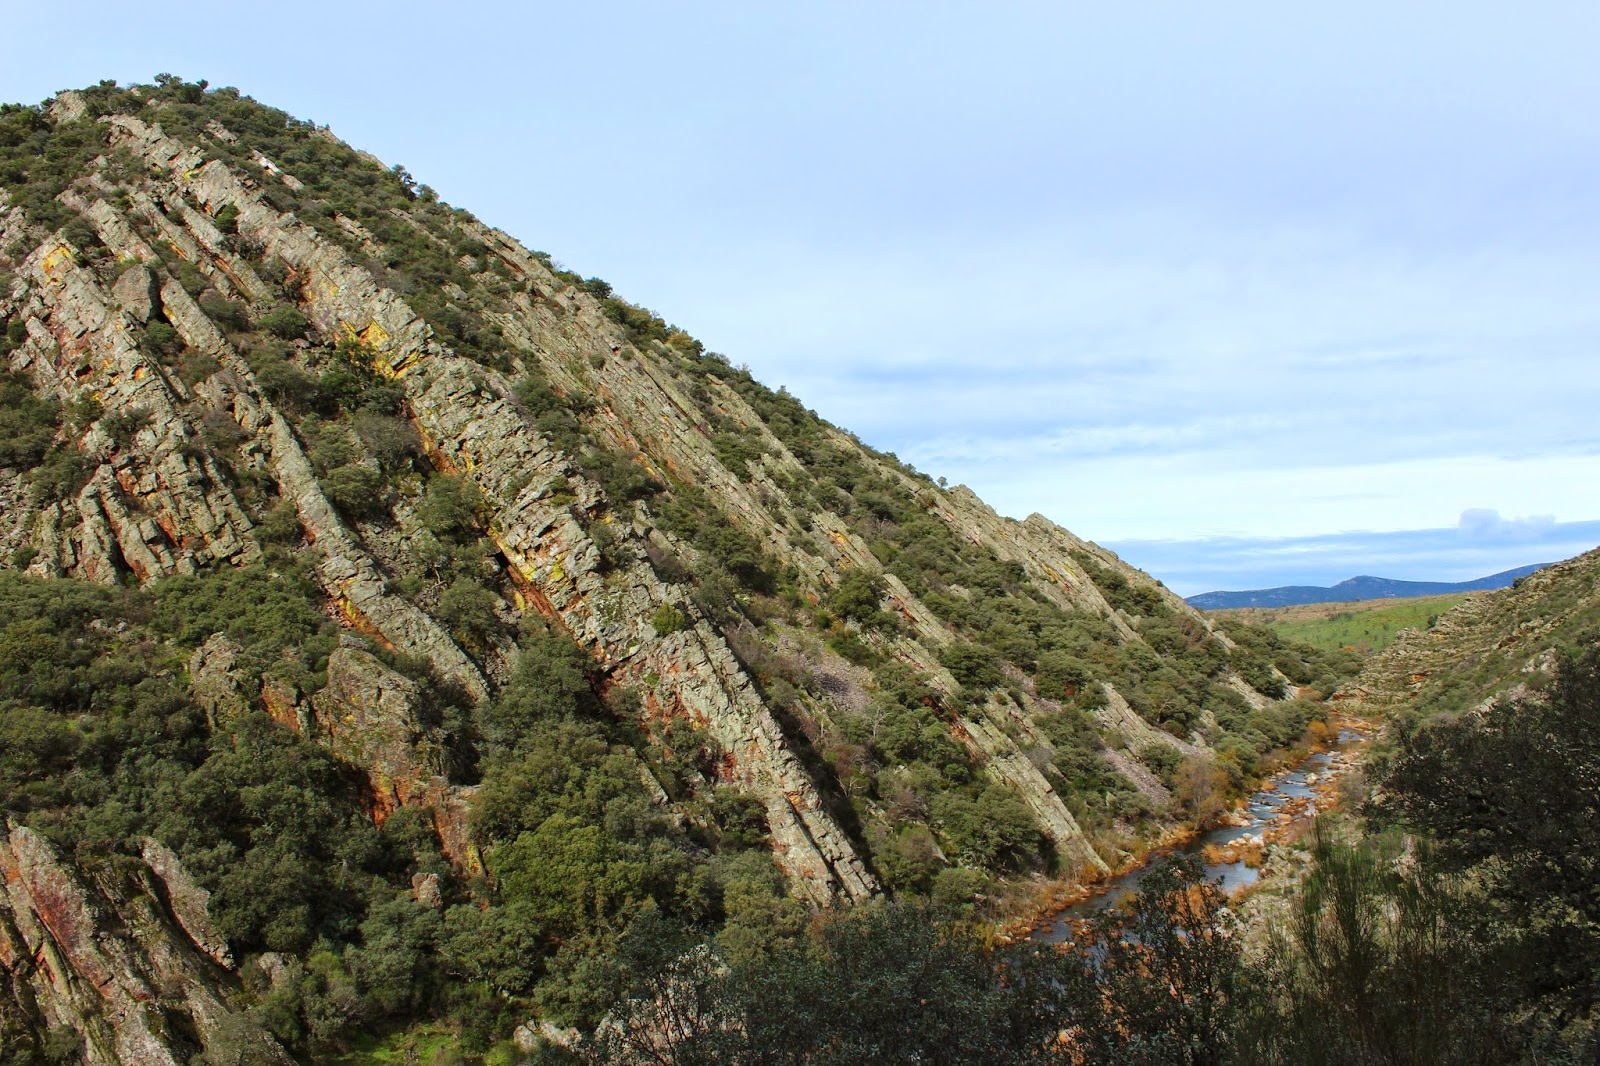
x,y
135,292
189,902
193,517
218,685
467,426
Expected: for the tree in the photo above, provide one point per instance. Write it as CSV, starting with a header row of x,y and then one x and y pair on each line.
x,y
1513,794
284,321
1374,965
971,665
452,509
1170,966
357,490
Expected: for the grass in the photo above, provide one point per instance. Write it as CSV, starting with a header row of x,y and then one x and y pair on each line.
x,y
426,1044
1365,627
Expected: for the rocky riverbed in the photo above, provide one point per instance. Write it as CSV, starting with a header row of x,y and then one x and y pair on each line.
x,y
1281,811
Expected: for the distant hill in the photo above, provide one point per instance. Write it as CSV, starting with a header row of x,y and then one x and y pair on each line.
x,y
1353,590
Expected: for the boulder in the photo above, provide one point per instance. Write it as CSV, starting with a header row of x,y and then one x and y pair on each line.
x,y
218,684
369,716
136,293
190,904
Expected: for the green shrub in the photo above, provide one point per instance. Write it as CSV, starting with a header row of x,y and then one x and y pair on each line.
x,y
62,473
230,315
161,340
357,491
284,321
972,666
667,619
122,426
28,423
467,610
452,509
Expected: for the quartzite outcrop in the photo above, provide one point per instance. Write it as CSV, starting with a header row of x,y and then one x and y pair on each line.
x,y
159,498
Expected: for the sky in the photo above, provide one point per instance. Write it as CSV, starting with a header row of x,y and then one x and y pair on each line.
x,y
1253,295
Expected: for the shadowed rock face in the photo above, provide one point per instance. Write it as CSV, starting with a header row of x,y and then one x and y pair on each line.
x,y
183,464
368,717
123,958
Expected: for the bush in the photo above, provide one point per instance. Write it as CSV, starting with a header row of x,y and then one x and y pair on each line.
x,y
550,683
61,474
857,596
122,426
452,509
280,525
285,321
28,423
467,609
389,439
281,380
358,491
161,340
667,619
972,666
230,315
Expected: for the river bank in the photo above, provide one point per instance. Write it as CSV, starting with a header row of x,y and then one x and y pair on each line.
x,y
1281,810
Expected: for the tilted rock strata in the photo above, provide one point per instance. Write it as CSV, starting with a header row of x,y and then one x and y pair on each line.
x,y
543,508
1519,626
104,958
468,427
156,506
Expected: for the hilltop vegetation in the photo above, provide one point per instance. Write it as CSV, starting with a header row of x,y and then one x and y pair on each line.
x,y
1353,590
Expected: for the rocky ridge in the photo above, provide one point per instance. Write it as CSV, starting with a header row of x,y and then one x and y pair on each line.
x,y
180,469
1487,644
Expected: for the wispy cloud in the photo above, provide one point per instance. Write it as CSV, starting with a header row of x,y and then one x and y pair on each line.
x,y
1482,543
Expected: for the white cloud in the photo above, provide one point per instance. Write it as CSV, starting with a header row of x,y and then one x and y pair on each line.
x,y
1485,522
1445,554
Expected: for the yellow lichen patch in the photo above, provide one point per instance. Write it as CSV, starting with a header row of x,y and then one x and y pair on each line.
x,y
374,336
55,262
401,363
556,572
140,371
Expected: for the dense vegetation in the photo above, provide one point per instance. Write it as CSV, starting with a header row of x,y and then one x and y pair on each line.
x,y
102,744
1463,928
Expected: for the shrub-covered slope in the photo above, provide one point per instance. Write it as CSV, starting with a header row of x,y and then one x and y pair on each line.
x,y
432,611
1490,644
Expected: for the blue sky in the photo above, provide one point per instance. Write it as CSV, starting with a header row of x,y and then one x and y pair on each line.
x,y
1255,295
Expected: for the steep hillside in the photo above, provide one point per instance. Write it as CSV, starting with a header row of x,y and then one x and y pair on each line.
x,y
430,612
1492,643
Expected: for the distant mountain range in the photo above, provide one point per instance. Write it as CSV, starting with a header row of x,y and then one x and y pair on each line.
x,y
1352,590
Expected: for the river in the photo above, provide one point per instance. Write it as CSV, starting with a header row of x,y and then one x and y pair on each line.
x,y
1284,805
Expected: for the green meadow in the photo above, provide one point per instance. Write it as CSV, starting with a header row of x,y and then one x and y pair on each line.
x,y
1365,627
